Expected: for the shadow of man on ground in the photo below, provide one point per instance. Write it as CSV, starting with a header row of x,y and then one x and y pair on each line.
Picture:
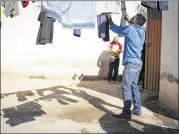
x,y
112,125
96,102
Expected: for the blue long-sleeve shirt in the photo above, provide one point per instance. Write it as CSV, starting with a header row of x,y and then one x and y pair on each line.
x,y
133,44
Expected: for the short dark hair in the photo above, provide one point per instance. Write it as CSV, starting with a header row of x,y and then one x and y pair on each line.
x,y
141,19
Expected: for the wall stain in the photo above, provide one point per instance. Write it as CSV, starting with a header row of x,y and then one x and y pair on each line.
x,y
169,77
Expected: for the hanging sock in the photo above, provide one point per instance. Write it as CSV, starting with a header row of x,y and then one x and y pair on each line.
x,y
25,3
77,32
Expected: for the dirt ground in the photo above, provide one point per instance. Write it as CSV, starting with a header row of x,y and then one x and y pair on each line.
x,y
59,106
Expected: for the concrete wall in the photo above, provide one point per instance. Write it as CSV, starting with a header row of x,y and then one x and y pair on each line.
x,y
66,56
169,57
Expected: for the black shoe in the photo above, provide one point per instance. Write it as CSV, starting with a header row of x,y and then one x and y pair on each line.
x,y
74,77
81,77
123,116
115,81
109,81
136,112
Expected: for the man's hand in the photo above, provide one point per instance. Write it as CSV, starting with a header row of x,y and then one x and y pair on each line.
x,y
110,19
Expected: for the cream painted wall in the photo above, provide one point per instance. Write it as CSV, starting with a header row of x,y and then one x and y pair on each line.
x,y
169,57
67,55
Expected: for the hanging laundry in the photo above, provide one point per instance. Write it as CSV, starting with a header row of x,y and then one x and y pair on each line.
x,y
25,3
107,38
161,5
11,8
101,22
103,7
77,32
123,10
149,4
103,27
72,14
45,33
0,17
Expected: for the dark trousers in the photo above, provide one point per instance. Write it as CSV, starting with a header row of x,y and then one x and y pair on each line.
x,y
113,69
142,75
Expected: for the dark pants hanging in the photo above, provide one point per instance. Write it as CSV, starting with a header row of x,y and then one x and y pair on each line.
x,y
113,69
103,28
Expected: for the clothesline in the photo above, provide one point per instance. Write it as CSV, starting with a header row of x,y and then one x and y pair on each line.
x,y
71,14
75,15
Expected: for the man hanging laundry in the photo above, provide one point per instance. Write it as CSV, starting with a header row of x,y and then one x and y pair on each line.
x,y
134,40
114,49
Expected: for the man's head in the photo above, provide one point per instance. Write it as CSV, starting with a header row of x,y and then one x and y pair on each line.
x,y
115,40
138,19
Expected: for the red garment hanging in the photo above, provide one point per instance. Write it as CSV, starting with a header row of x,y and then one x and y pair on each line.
x,y
25,3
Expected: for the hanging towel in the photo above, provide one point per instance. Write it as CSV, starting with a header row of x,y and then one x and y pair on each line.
x,y
11,8
77,32
103,7
45,33
72,14
25,3
162,5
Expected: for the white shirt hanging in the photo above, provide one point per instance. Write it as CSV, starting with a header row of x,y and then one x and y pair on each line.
x,y
105,7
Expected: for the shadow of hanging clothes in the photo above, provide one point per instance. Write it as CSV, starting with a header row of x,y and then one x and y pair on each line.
x,y
103,27
45,33
161,5
77,32
23,113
